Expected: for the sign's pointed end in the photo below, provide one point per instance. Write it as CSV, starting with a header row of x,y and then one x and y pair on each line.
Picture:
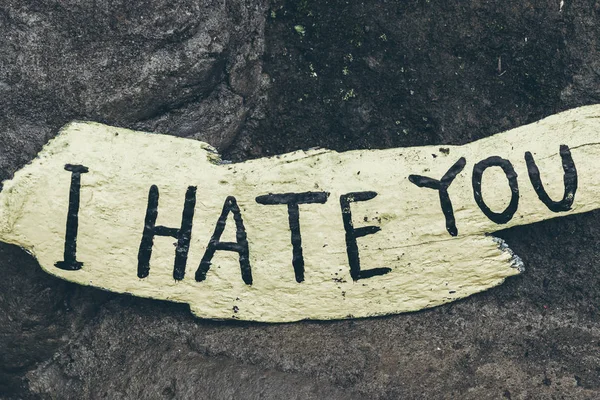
x,y
516,261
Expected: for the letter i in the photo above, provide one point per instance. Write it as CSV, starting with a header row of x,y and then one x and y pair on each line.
x,y
70,262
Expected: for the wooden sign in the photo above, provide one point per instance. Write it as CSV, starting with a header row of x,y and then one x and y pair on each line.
x,y
305,235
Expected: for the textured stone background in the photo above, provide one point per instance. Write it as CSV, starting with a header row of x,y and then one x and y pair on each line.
x,y
256,78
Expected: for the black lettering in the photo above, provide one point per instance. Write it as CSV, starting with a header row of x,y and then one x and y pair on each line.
x,y
353,233
569,179
240,246
442,187
511,175
70,262
183,235
292,200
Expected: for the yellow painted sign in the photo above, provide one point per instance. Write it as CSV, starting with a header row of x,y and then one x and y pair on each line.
x,y
305,235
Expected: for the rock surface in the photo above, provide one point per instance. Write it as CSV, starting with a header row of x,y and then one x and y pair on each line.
x,y
255,78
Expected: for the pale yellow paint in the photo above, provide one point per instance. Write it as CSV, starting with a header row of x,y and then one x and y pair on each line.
x,y
429,267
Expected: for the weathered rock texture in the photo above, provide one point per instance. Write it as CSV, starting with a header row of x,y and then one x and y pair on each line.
x,y
256,78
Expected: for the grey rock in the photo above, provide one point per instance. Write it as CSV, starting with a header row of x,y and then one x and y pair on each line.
x,y
239,75
219,118
192,65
